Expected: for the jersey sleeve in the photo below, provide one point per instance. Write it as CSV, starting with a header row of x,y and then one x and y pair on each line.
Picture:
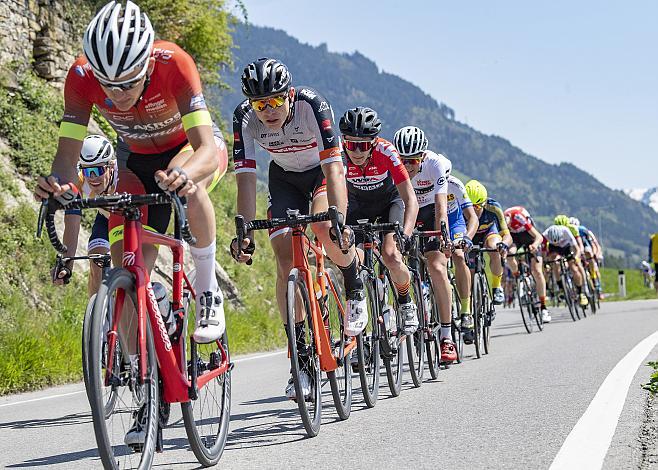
x,y
439,170
572,239
462,194
321,121
244,147
185,85
496,209
77,105
394,165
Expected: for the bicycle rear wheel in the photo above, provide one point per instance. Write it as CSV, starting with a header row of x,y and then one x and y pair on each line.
x,y
303,360
135,400
206,418
340,379
456,331
487,313
367,345
569,297
432,327
525,303
416,341
592,292
392,349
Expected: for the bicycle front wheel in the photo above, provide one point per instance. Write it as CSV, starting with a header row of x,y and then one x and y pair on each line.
x,y
304,357
477,306
137,402
340,379
206,418
367,345
416,341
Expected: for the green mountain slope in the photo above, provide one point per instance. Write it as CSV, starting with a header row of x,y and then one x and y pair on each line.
x,y
512,176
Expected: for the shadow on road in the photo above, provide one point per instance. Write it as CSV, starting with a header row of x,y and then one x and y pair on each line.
x,y
68,457
68,420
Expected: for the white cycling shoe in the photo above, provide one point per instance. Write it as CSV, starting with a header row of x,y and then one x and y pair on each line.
x,y
210,322
356,318
305,381
409,312
545,315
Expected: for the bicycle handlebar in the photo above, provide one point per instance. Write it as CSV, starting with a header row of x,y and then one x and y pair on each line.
x,y
294,219
114,202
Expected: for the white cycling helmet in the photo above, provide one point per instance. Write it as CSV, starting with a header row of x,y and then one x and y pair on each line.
x,y
96,151
574,221
117,41
410,140
554,234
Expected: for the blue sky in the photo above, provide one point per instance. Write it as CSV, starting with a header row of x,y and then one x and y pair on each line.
x,y
572,81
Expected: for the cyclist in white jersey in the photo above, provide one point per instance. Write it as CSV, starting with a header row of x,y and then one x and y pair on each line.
x,y
428,173
562,243
98,172
295,126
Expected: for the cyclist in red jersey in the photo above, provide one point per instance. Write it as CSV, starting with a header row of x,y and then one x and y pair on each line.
x,y
525,235
379,187
151,94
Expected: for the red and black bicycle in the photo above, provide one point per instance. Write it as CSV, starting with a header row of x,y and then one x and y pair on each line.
x,y
136,368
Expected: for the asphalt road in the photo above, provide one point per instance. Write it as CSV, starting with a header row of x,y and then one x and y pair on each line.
x,y
511,409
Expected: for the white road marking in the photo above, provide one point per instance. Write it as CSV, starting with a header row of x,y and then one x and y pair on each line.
x,y
588,442
41,398
49,397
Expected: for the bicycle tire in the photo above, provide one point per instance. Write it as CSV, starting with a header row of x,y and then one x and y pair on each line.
x,y
310,411
207,445
455,331
367,344
119,278
592,293
340,380
535,301
525,303
477,307
568,297
486,313
432,326
390,346
416,342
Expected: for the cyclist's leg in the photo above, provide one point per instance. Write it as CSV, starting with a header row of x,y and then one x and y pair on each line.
x,y
511,260
98,244
495,265
462,273
391,254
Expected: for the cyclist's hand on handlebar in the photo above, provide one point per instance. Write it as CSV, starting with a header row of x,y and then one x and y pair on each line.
x,y
61,273
49,186
247,251
465,244
404,243
347,238
502,248
175,179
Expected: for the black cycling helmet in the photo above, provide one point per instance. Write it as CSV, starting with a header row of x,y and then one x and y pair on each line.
x,y
360,122
265,77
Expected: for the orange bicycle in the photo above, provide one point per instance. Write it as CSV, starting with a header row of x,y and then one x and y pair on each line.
x,y
315,312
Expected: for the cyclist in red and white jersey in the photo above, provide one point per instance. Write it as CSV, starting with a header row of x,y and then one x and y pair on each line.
x,y
525,235
295,126
379,188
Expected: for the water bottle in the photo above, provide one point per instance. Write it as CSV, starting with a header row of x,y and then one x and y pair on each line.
x,y
164,306
427,297
389,317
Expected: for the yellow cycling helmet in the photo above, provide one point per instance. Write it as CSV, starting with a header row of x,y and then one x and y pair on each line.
x,y
476,191
561,219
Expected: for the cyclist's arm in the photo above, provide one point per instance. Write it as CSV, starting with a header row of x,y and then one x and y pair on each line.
x,y
334,172
538,237
408,196
440,210
244,153
472,221
71,232
203,161
246,195
503,230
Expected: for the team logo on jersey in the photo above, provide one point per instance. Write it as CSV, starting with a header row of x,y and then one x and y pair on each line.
x,y
323,107
163,55
236,137
108,103
330,139
79,70
326,124
155,106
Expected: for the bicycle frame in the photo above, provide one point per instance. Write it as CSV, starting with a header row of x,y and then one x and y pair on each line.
x,y
177,385
300,246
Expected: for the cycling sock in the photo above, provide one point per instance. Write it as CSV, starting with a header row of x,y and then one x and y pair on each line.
x,y
495,281
466,306
351,277
204,263
579,289
542,302
403,292
446,331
